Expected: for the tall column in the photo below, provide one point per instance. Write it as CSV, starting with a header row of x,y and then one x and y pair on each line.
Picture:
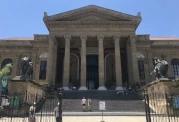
x,y
54,70
66,63
135,70
118,63
101,62
34,58
150,68
50,59
83,63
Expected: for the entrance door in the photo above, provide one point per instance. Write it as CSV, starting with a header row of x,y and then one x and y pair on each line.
x,y
92,71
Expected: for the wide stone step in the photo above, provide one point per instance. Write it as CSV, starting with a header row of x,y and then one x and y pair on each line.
x,y
71,101
105,95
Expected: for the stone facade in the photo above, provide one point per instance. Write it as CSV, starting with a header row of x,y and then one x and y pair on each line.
x,y
91,48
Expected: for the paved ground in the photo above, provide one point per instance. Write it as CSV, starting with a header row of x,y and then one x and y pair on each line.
x,y
92,119
82,119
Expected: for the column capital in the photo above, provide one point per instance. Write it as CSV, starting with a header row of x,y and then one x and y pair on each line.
x,y
51,36
132,36
83,37
116,37
67,37
52,39
100,37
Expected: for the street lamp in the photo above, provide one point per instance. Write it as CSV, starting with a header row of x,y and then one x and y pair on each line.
x,y
59,96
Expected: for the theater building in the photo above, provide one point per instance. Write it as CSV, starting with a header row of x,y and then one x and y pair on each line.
x,y
92,48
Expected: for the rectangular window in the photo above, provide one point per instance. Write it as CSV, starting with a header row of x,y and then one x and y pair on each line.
x,y
43,70
141,69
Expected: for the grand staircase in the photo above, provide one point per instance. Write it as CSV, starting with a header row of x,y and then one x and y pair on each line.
x,y
132,102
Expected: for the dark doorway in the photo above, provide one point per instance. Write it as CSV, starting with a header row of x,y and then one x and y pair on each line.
x,y
124,68
59,66
92,81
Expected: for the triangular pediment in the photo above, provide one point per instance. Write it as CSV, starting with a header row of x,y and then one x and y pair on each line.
x,y
92,13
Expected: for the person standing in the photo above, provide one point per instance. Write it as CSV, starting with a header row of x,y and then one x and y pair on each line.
x,y
32,113
89,104
58,113
83,103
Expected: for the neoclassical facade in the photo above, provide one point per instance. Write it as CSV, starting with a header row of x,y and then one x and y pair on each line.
x,y
91,48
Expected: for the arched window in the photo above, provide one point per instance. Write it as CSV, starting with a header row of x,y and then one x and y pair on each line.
x,y
175,67
6,61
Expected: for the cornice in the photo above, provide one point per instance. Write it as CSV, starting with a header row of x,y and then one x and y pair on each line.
x,y
165,46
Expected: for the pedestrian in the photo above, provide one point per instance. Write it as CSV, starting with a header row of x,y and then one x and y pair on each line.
x,y
32,113
89,104
83,103
58,113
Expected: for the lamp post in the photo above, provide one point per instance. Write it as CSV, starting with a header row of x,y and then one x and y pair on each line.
x,y
59,96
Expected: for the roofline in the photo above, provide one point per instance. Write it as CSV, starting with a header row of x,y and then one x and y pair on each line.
x,y
71,12
32,38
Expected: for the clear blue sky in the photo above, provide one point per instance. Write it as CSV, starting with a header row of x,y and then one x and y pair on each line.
x,y
23,18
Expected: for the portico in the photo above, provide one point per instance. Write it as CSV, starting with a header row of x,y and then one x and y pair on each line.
x,y
94,31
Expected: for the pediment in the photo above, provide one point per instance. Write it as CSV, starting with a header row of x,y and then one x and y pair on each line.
x,y
91,18
92,13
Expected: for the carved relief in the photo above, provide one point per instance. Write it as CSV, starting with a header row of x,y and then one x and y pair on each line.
x,y
91,18
43,55
140,55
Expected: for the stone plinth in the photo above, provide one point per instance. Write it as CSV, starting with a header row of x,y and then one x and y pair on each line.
x,y
159,92
23,88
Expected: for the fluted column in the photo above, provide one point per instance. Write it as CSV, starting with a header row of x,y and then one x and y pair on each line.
x,y
66,64
135,70
50,59
118,62
83,63
101,62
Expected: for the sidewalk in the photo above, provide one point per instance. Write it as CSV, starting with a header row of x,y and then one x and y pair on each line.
x,y
81,119
105,118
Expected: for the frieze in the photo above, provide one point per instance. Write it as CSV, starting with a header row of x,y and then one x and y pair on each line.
x,y
96,24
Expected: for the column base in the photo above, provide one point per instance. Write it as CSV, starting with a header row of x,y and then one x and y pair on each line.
x,y
66,88
102,88
83,88
119,88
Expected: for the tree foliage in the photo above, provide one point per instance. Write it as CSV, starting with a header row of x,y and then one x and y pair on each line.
x,y
6,70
